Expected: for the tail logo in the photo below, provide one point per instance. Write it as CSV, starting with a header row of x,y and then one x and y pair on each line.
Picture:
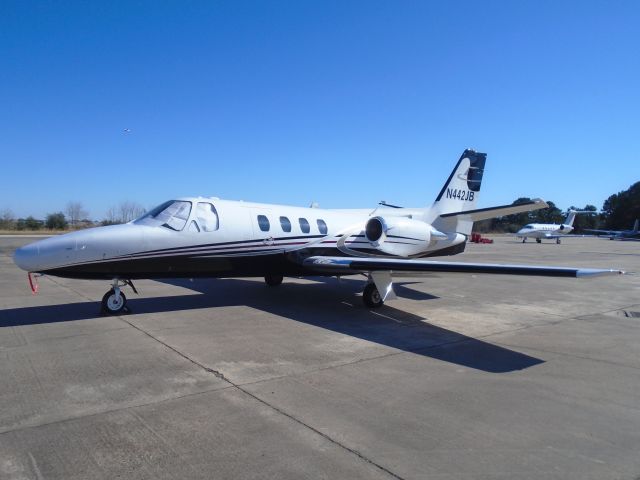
x,y
471,176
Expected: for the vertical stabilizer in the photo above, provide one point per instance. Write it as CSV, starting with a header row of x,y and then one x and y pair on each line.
x,y
636,225
459,193
570,217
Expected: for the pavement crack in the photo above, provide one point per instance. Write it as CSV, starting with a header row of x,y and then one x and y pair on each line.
x,y
280,411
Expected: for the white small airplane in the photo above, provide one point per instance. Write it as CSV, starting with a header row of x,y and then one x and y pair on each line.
x,y
549,231
210,237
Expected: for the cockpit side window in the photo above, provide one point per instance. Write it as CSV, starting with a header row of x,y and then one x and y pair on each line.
x,y
172,214
207,217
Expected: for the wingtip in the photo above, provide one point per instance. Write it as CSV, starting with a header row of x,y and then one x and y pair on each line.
x,y
541,202
593,272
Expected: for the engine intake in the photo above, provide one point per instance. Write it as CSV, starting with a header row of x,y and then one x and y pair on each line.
x,y
374,229
401,236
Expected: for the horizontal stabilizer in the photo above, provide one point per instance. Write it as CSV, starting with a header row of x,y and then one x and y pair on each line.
x,y
493,212
345,265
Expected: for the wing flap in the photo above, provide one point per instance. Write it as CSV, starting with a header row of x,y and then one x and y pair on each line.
x,y
345,265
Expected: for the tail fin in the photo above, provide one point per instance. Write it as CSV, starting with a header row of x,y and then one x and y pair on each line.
x,y
454,209
636,225
571,216
460,192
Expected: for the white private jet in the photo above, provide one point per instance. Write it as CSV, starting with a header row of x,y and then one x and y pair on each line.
x,y
210,237
549,231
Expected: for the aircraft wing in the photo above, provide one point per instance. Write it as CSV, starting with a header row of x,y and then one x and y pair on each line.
x,y
352,265
493,212
565,235
604,232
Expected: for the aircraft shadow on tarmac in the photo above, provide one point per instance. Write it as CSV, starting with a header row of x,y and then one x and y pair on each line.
x,y
328,304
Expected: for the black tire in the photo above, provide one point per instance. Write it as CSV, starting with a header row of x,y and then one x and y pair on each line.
x,y
558,241
371,297
109,304
538,240
273,280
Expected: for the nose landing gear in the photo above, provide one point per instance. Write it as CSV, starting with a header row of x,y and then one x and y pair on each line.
x,y
114,301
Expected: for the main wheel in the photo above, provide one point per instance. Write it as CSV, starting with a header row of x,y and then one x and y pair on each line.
x,y
524,240
538,240
273,280
371,297
558,241
112,304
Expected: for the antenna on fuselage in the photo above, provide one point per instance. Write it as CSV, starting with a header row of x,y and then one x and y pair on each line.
x,y
383,203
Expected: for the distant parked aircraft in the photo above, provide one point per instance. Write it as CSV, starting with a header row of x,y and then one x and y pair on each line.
x,y
633,234
549,231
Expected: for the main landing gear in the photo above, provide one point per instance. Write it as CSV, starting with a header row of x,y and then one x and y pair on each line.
x,y
379,288
558,241
114,301
273,280
538,240
371,296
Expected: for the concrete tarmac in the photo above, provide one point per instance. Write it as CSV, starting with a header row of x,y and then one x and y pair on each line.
x,y
475,377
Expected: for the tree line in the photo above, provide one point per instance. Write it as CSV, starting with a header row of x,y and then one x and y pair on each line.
x,y
618,212
75,216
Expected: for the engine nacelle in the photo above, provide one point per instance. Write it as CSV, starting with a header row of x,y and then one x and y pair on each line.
x,y
400,236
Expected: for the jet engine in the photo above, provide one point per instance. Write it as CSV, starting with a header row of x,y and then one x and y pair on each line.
x,y
400,236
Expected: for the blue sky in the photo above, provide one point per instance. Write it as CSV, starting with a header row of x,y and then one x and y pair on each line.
x,y
342,103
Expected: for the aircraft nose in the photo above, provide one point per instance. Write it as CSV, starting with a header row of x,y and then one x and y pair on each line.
x,y
27,257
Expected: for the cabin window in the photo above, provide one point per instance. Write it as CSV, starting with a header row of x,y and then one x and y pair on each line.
x,y
263,223
322,226
207,217
172,214
304,225
285,224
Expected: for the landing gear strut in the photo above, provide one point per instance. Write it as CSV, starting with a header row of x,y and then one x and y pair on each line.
x,y
524,239
114,301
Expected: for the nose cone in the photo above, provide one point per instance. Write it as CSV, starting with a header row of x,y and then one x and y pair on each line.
x,y
27,257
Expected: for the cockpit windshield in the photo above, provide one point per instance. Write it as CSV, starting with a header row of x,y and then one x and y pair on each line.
x,y
529,227
172,214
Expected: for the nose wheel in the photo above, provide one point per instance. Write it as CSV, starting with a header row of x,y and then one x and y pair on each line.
x,y
114,302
